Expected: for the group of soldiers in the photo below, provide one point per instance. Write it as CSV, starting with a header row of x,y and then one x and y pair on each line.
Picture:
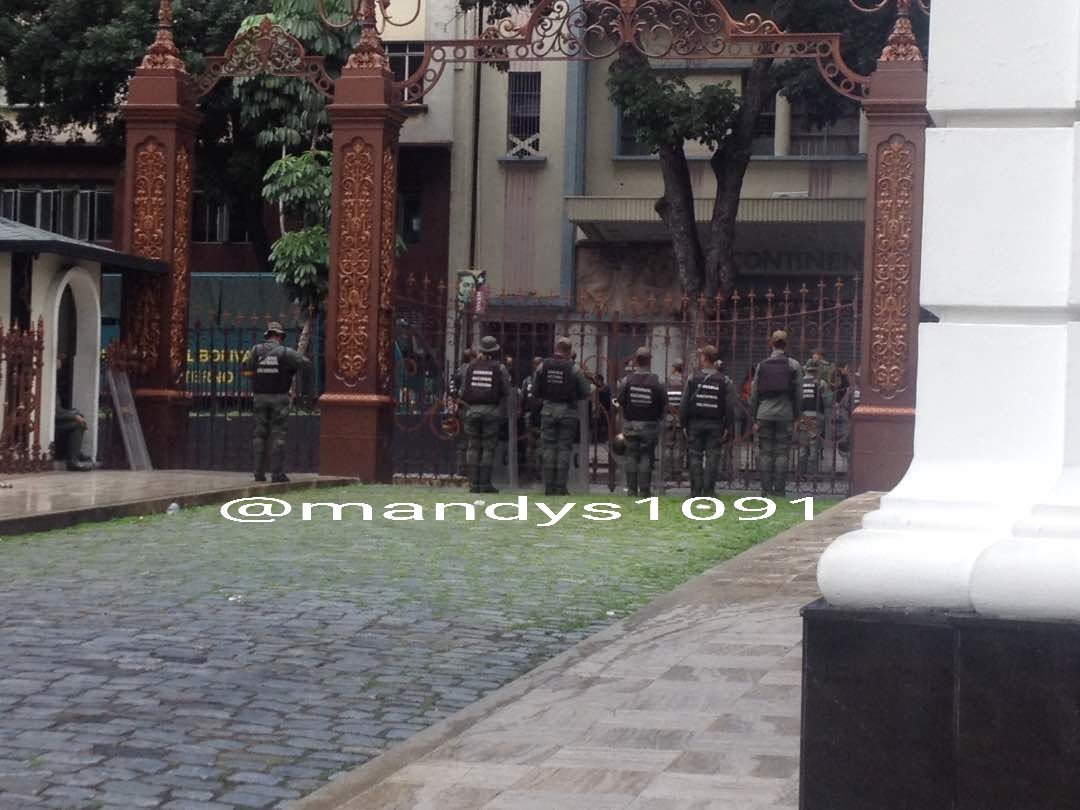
x,y
481,390
694,413
786,401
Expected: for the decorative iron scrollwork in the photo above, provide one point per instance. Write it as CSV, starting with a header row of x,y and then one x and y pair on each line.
x,y
265,49
659,29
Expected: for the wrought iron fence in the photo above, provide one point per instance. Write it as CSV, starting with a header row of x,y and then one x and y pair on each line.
x,y
824,316
21,368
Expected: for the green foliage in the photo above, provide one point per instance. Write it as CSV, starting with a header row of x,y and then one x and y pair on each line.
x,y
300,259
301,185
666,111
67,62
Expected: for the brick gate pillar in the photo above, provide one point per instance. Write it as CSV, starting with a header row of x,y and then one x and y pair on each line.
x,y
884,421
357,419
161,120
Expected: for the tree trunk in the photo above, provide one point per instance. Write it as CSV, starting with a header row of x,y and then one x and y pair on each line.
x,y
676,210
729,164
306,331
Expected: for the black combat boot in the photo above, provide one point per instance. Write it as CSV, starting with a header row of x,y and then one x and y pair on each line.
x,y
708,488
473,473
645,484
485,480
695,482
631,483
279,478
561,477
549,480
260,477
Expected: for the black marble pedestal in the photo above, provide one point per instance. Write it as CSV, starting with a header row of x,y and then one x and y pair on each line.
x,y
911,710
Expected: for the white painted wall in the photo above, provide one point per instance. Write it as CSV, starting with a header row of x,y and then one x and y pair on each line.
x,y
51,276
988,516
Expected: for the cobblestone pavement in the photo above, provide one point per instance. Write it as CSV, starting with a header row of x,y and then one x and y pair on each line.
x,y
186,662
693,703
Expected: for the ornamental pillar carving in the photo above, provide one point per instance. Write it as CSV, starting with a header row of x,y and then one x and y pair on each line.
x,y
356,410
160,120
884,422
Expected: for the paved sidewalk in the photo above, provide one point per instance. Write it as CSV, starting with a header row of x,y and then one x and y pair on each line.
x,y
691,704
54,500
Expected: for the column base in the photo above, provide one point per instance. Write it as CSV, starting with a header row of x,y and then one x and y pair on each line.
x,y
939,711
882,445
163,415
356,435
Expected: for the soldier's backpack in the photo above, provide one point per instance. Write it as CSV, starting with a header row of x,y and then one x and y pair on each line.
x,y
555,381
774,377
708,396
640,397
271,375
483,383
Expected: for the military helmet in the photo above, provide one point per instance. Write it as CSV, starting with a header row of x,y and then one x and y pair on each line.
x,y
489,345
618,444
274,328
811,366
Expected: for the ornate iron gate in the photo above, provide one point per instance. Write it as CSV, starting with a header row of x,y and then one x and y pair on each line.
x,y
21,365
825,316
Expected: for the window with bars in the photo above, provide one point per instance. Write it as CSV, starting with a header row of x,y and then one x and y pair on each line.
x,y
405,58
79,211
523,125
215,221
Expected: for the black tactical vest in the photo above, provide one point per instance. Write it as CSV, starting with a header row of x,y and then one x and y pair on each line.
x,y
674,391
556,382
708,396
272,376
774,377
811,396
483,383
640,397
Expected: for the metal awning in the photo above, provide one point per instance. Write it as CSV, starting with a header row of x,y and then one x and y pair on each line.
x,y
18,238
635,218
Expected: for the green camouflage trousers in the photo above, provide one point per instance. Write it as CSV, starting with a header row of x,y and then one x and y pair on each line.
x,y
703,447
674,446
271,422
774,444
481,427
558,432
808,438
641,438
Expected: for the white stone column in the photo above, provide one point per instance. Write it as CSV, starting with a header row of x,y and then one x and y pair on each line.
x,y
988,515
782,129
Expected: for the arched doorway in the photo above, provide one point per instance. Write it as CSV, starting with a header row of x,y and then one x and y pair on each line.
x,y
73,350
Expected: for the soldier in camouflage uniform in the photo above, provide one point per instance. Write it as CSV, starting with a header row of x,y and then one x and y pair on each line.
x,y
815,398
704,408
530,407
458,408
560,385
485,387
774,407
643,401
271,366
674,429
